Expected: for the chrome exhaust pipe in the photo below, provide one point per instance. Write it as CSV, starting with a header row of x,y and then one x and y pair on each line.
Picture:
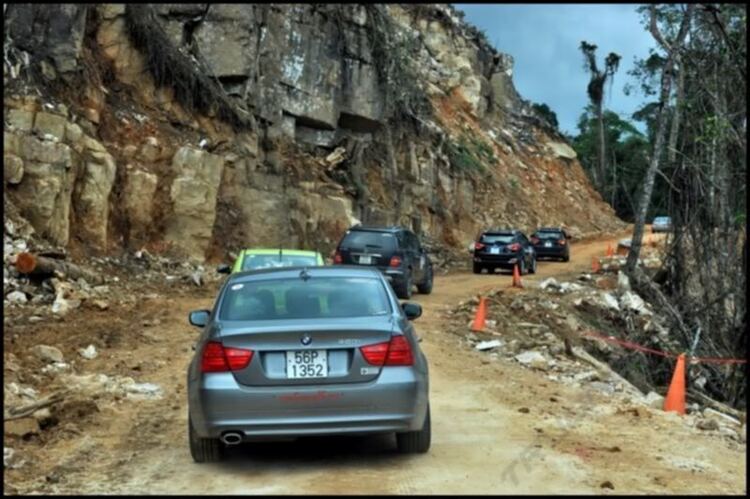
x,y
231,438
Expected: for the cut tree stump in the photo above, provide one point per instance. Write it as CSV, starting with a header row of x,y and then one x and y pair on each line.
x,y
28,263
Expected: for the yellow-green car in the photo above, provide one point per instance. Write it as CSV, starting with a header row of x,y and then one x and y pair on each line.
x,y
254,259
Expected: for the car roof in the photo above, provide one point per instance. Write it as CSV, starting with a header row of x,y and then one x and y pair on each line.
x,y
373,228
271,251
312,271
500,231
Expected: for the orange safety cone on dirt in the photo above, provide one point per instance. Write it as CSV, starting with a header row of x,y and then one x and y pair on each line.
x,y
481,315
516,278
610,251
595,268
675,400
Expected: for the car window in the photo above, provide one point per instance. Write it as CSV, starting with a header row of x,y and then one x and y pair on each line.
x,y
361,239
318,297
496,238
549,235
253,262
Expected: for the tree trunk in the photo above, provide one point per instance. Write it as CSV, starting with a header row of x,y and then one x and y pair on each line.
x,y
26,263
661,128
602,148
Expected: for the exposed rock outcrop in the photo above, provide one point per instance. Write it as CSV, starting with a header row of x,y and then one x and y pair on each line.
x,y
217,136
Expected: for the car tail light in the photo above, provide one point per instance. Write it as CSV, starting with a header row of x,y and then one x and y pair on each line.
x,y
395,261
534,240
218,358
396,352
562,242
478,246
375,354
514,247
399,354
337,257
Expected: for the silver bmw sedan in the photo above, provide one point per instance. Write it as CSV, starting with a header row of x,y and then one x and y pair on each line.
x,y
296,351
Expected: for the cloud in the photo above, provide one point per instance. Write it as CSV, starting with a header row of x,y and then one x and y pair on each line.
x,y
544,41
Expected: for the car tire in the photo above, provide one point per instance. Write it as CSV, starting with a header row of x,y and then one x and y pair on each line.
x,y
416,442
477,268
532,270
203,450
566,258
522,266
426,287
403,290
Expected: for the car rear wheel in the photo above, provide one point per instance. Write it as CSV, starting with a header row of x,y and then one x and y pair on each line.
x,y
566,258
426,287
403,289
477,268
522,266
203,450
413,442
532,270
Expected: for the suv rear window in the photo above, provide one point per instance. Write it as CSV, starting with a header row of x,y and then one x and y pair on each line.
x,y
252,262
360,239
548,234
318,297
496,238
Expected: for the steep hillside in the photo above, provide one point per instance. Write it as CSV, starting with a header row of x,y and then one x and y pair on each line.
x,y
195,129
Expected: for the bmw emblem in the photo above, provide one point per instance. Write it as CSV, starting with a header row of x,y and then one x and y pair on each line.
x,y
305,340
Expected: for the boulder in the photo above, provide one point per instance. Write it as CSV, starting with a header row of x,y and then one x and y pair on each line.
x,y
12,168
48,353
138,198
91,199
193,194
50,124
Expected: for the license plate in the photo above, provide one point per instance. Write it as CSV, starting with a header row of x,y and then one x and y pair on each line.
x,y
494,250
306,364
548,244
365,260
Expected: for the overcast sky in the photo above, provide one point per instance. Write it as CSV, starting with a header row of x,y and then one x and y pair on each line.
x,y
544,39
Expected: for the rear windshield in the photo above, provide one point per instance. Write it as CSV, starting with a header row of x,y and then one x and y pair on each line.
x,y
252,262
549,235
318,297
661,219
496,238
361,239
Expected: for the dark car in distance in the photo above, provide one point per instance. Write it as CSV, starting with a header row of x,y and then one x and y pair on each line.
x,y
551,242
504,248
395,251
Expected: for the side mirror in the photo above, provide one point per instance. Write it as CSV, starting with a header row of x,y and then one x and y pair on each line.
x,y
411,310
199,318
224,269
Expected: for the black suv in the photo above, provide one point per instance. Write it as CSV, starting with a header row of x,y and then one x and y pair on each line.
x,y
551,242
395,251
504,248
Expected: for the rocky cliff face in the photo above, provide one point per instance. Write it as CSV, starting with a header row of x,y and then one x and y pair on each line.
x,y
199,129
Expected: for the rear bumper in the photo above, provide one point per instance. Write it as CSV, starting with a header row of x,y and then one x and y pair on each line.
x,y
553,251
395,402
497,260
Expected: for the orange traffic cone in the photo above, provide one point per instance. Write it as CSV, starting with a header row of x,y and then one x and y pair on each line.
x,y
610,251
481,315
675,400
516,278
595,267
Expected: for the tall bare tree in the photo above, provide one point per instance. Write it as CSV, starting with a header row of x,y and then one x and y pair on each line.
x,y
596,94
672,50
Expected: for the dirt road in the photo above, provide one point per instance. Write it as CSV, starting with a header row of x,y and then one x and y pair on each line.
x,y
562,440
